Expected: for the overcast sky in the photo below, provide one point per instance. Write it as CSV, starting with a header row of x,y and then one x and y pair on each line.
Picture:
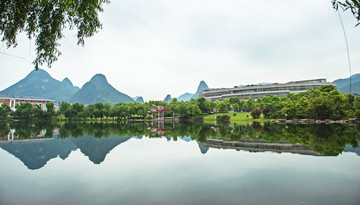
x,y
152,48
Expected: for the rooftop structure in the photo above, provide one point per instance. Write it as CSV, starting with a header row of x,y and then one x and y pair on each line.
x,y
13,100
259,91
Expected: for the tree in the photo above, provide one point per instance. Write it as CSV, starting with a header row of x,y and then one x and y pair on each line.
x,y
217,105
106,110
50,110
255,113
270,105
250,103
173,106
352,5
188,109
241,104
123,110
142,111
245,107
201,103
327,88
4,111
223,108
289,110
89,111
70,112
23,111
210,105
63,107
37,112
44,20
234,100
235,107
78,109
321,107
99,110
301,108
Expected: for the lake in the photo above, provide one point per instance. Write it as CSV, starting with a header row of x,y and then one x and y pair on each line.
x,y
179,163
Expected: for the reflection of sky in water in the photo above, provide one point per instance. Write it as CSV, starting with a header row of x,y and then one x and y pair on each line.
x,y
157,171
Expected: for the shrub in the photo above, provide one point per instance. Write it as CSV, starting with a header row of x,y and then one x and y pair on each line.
x,y
223,118
357,114
255,113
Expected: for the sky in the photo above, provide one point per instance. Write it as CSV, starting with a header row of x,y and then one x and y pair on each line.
x,y
152,48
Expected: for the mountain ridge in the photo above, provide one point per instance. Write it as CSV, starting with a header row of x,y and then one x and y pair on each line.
x,y
188,96
40,83
98,89
343,84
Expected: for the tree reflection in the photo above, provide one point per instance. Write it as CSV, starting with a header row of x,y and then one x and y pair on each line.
x,y
325,139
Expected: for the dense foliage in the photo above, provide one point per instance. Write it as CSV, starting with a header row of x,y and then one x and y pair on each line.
x,y
323,103
223,118
45,20
352,5
26,111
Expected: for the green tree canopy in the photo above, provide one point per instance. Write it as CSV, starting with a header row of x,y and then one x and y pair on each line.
x,y
4,111
44,20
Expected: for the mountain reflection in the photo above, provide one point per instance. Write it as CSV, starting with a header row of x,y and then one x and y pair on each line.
x,y
35,144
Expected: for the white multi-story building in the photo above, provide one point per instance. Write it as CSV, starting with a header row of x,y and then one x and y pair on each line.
x,y
259,91
13,100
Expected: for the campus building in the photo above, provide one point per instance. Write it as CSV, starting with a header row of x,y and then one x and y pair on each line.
x,y
259,91
13,100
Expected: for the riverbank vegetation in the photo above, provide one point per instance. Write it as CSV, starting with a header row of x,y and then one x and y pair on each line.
x,y
323,103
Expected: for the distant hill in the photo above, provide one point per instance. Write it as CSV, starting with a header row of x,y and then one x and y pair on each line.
x,y
343,85
41,84
185,97
99,90
202,86
168,99
138,99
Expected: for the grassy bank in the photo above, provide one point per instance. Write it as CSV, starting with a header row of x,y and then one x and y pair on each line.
x,y
237,117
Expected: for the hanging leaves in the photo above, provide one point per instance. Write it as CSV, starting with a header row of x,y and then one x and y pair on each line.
x,y
44,20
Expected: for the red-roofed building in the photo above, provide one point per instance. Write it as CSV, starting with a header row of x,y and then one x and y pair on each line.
x,y
159,111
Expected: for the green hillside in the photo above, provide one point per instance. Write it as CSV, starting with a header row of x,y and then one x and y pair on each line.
x,y
99,90
41,84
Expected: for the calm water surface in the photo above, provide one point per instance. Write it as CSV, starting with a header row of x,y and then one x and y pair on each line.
x,y
83,163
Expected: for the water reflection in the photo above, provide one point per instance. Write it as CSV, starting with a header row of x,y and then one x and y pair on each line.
x,y
36,144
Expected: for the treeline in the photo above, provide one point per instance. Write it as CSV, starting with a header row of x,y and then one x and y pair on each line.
x,y
101,111
323,103
126,111
27,111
